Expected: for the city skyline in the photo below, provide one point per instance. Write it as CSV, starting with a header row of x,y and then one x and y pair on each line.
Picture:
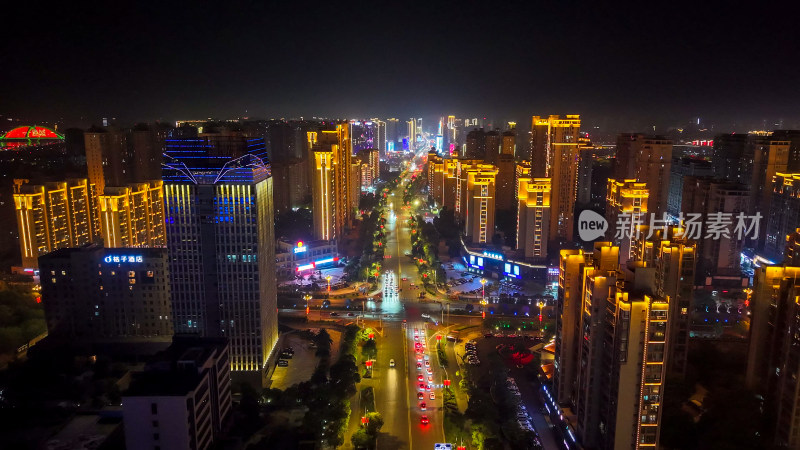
x,y
622,70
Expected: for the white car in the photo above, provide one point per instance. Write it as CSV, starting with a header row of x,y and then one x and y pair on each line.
x,y
391,363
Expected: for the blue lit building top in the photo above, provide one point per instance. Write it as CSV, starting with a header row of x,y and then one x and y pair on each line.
x,y
215,160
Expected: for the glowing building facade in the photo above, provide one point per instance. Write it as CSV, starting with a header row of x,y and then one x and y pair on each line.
x,y
533,216
773,359
133,215
332,182
52,216
626,207
477,200
219,224
611,349
554,154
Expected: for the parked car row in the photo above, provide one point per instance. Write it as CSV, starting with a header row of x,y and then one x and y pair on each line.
x,y
471,354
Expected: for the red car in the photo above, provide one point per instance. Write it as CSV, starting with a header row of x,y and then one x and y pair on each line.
x,y
420,396
423,406
424,420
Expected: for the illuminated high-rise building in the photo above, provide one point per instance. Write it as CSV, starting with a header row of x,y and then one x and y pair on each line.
x,y
773,359
717,255
784,214
476,145
675,263
647,159
617,352
509,146
554,154
506,182
492,146
533,216
476,198
96,295
626,207
52,216
791,255
332,183
133,215
220,236
412,131
107,157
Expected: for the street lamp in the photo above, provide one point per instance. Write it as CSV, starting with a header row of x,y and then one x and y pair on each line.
x,y
329,283
307,297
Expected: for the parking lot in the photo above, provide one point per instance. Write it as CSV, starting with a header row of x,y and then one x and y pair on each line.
x,y
524,380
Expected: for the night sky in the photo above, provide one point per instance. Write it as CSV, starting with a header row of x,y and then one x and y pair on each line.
x,y
619,67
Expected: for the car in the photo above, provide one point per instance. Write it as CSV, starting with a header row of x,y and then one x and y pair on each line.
x,y
404,279
423,406
421,386
420,378
424,420
429,370
391,363
427,363
419,366
427,357
430,378
419,356
433,396
283,363
420,395
488,335
350,315
334,314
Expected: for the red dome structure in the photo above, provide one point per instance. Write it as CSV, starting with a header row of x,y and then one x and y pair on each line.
x,y
29,136
32,132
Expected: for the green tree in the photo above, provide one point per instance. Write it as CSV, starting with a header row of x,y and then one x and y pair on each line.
x,y
370,349
361,439
374,424
323,342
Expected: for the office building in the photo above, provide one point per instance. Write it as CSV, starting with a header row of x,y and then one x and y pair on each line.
x,y
684,167
100,295
784,214
554,154
626,207
773,359
220,236
533,217
182,400
52,216
332,183
133,215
